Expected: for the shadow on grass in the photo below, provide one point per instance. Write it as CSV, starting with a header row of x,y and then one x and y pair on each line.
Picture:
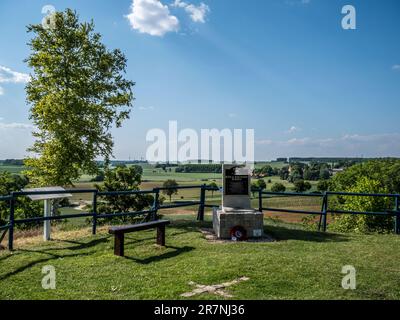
x,y
81,245
43,260
53,256
168,255
189,225
279,233
282,234
132,240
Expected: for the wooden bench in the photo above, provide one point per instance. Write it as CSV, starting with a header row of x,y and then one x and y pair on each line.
x,y
119,233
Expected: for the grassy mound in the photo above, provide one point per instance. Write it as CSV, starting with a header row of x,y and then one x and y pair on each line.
x,y
299,265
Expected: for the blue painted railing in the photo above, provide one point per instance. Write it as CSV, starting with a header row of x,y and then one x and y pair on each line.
x,y
151,213
325,210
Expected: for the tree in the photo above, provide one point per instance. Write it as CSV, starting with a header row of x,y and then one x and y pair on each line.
x,y
324,174
323,185
374,176
99,177
214,186
77,93
266,170
261,184
386,171
284,173
254,188
24,207
123,178
296,172
302,186
278,187
172,186
364,223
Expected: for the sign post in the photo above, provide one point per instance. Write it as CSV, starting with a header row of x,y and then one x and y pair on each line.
x,y
48,205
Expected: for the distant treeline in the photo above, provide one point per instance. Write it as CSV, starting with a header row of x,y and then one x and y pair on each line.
x,y
199,168
115,163
329,160
12,162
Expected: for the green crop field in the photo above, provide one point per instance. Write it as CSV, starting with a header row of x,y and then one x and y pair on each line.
x,y
11,169
298,265
153,178
273,164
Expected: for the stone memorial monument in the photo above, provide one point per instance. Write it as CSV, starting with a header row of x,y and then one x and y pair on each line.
x,y
236,218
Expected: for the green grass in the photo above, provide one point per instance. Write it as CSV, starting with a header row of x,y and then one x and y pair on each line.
x,y
12,169
160,175
300,265
273,164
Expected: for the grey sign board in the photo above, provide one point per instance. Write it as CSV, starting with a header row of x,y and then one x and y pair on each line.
x,y
37,197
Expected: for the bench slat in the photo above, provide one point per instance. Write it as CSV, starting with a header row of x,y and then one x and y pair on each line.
x,y
138,227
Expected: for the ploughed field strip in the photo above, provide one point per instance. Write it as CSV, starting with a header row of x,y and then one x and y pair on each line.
x,y
299,264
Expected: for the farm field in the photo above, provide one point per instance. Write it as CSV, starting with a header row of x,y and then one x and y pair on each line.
x,y
298,265
153,178
11,169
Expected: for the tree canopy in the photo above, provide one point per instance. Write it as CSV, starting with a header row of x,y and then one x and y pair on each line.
x,y
385,171
24,207
77,93
123,178
375,176
172,188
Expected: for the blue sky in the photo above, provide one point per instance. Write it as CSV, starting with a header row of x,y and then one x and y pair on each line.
x,y
285,68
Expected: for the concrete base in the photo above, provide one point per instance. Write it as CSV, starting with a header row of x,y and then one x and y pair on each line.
x,y
251,220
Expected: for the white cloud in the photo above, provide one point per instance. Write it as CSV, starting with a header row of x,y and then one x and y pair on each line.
x,y
354,145
15,125
152,17
232,115
293,129
9,76
15,139
396,67
196,13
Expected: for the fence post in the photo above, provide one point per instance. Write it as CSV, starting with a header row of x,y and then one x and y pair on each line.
x,y
11,230
325,211
260,200
94,223
397,208
155,203
322,213
200,215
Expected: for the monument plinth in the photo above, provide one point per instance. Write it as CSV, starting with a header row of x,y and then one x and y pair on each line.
x,y
236,218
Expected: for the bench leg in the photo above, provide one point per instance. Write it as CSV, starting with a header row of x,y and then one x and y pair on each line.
x,y
119,244
161,236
